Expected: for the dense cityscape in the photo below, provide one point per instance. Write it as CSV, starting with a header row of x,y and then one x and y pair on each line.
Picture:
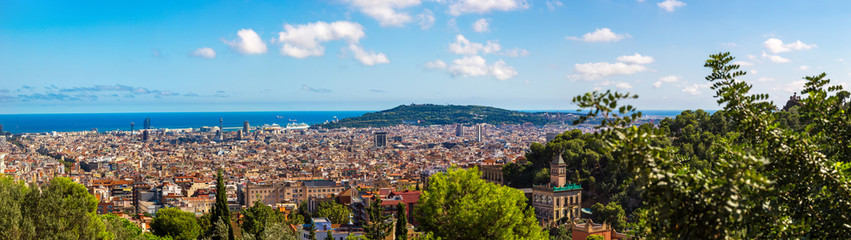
x,y
424,120
135,173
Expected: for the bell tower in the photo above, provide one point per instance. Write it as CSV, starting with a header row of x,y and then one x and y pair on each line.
x,y
558,174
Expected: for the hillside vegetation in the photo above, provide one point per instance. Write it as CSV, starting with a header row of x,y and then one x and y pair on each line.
x,y
431,114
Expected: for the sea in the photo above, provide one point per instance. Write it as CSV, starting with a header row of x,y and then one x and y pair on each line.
x,y
72,122
232,121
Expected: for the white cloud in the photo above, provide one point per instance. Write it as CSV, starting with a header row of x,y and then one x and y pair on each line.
x,y
636,59
469,66
386,11
426,19
306,40
465,47
765,79
804,67
775,58
743,63
670,5
600,35
481,25
626,65
249,42
437,64
775,45
474,66
458,7
204,52
751,56
552,5
367,58
753,71
516,52
694,89
666,79
591,71
452,25
792,87
623,85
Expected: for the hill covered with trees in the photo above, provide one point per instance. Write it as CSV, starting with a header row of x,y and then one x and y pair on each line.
x,y
432,114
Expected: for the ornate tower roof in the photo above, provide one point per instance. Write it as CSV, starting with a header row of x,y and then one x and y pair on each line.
x,y
557,160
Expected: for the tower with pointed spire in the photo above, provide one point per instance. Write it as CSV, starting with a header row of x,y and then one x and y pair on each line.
x,y
558,174
558,201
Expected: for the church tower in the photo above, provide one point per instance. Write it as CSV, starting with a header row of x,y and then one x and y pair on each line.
x,y
558,174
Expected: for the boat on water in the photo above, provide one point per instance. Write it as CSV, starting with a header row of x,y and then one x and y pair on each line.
x,y
297,126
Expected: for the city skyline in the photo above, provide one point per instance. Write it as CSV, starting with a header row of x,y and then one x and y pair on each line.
x,y
60,57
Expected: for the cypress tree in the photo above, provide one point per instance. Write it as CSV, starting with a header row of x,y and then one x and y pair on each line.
x,y
220,209
401,222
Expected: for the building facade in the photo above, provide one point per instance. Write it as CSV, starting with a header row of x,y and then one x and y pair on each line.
x,y
380,139
558,201
290,192
492,173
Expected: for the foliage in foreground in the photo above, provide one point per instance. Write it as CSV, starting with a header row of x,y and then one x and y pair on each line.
x,y
763,181
459,204
177,224
262,222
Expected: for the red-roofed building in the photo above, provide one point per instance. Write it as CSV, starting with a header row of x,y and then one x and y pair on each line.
x,y
410,199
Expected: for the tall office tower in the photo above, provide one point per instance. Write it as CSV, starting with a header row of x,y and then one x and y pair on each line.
x,y
239,134
380,139
459,130
221,131
245,127
1,129
479,132
132,124
145,135
147,123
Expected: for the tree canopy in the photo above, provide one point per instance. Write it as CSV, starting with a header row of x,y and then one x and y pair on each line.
x,y
335,212
752,177
459,204
220,212
177,224
264,223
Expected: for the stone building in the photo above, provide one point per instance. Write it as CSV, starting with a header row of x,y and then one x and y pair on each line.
x,y
558,201
290,192
492,173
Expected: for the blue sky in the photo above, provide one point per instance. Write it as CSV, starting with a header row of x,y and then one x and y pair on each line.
x,y
155,56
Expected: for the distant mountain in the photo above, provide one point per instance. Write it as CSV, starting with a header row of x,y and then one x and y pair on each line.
x,y
431,114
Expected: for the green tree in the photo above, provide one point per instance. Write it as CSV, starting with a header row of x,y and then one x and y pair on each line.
x,y
177,224
611,213
312,232
335,212
377,227
12,194
401,222
220,211
121,228
560,232
329,235
595,237
765,181
61,210
460,205
353,237
257,217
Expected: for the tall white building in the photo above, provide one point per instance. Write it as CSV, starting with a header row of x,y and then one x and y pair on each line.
x,y
479,132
